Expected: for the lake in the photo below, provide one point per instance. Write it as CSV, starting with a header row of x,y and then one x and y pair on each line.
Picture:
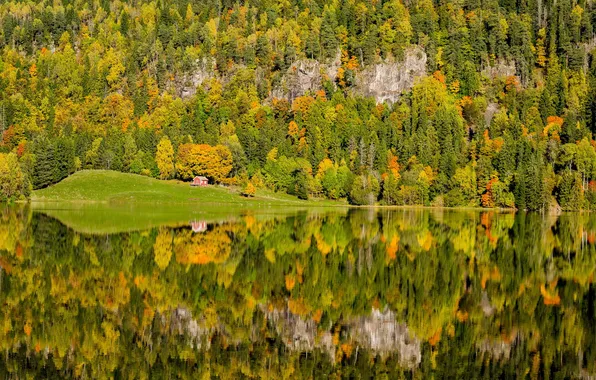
x,y
152,292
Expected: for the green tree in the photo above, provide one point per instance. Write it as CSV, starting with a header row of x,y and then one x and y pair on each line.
x,y
570,193
365,190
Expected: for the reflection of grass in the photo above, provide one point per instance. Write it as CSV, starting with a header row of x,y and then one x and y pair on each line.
x,y
100,218
121,188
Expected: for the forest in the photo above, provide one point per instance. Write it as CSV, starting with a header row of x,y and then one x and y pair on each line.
x,y
503,113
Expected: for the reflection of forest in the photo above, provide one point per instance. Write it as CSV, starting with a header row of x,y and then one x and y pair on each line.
x,y
387,292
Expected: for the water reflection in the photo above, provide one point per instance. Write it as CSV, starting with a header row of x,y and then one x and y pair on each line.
x,y
301,294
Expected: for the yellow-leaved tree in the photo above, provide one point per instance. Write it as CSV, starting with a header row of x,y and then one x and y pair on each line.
x,y
12,180
164,157
249,190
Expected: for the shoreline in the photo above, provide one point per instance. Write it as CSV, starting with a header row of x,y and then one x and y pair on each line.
x,y
117,189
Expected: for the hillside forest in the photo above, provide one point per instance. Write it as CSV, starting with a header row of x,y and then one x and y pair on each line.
x,y
501,114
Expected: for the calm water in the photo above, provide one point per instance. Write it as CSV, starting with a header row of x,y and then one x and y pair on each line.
x,y
296,294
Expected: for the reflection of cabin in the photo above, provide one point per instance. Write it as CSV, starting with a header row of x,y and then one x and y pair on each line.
x,y
199,226
200,181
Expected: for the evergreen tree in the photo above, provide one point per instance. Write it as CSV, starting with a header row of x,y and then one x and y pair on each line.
x,y
45,162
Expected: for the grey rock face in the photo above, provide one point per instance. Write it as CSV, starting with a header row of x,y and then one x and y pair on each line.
x,y
499,69
491,109
187,84
304,76
384,81
387,81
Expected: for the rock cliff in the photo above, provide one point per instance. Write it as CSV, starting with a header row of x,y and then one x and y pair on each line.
x,y
384,81
387,81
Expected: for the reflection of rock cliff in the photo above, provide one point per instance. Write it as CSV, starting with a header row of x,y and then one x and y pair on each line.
x,y
182,323
499,349
299,334
495,349
379,332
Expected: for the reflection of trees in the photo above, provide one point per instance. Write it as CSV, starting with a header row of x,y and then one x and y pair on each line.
x,y
211,247
496,292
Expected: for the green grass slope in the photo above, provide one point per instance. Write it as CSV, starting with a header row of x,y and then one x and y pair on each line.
x,y
121,188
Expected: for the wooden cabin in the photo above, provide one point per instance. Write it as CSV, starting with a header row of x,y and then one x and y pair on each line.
x,y
200,181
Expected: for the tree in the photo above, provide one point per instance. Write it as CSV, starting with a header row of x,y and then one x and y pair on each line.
x,y
396,31
329,42
92,157
465,182
164,157
365,190
130,153
202,159
43,169
585,159
570,192
249,190
300,187
13,185
391,194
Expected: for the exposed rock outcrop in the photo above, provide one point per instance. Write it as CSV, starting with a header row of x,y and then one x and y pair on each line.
x,y
491,109
384,81
186,85
304,76
499,69
387,81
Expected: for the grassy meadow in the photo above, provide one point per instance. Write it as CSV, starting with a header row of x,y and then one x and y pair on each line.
x,y
121,188
101,201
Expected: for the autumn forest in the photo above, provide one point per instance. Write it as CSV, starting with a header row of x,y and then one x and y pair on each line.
x,y
447,103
